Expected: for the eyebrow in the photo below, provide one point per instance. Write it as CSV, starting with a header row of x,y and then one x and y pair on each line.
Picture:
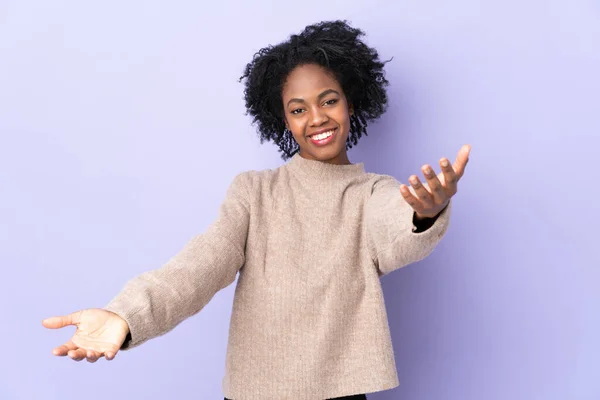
x,y
325,93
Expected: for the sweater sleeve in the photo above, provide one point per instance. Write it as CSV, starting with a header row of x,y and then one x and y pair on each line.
x,y
156,301
391,235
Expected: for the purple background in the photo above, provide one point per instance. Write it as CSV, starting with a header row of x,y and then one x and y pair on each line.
x,y
122,124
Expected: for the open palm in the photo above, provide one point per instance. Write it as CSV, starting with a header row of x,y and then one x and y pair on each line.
x,y
99,333
429,199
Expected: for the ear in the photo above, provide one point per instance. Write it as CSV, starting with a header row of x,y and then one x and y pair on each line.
x,y
351,109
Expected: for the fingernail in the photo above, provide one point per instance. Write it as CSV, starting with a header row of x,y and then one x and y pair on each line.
x,y
444,163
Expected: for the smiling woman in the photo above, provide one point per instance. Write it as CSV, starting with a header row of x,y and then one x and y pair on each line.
x,y
317,113
309,239
325,78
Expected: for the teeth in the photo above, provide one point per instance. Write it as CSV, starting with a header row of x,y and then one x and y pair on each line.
x,y
323,135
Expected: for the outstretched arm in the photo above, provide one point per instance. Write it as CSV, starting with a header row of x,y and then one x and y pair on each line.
x,y
402,229
156,301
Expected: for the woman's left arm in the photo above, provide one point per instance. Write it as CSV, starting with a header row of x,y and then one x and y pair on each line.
x,y
405,229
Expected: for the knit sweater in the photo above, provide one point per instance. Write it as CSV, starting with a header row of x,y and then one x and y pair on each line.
x,y
310,242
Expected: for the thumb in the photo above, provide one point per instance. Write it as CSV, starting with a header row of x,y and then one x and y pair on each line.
x,y
62,321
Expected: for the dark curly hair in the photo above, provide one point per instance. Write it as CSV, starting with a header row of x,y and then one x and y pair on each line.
x,y
337,47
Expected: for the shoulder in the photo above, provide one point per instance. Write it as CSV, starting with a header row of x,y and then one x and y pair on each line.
x,y
379,182
253,181
257,176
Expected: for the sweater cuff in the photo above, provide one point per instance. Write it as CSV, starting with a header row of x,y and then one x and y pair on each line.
x,y
421,225
135,322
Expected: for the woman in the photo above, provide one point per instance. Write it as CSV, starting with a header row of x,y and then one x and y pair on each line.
x,y
309,239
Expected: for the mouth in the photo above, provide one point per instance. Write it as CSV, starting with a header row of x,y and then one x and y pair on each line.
x,y
323,138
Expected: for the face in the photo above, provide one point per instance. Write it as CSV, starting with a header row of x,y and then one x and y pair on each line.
x,y
317,113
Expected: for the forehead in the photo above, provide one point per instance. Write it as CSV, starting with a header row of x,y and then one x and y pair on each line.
x,y
308,81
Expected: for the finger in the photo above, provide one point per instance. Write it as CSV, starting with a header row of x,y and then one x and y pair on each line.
x,y
435,186
77,355
410,198
461,160
62,321
421,191
92,356
64,349
450,177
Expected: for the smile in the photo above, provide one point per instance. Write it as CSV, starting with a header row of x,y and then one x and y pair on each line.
x,y
324,138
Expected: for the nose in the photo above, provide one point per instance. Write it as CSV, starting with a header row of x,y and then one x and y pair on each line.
x,y
318,117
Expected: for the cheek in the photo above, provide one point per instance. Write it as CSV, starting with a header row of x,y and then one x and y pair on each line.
x,y
295,124
297,129
342,112
297,138
343,116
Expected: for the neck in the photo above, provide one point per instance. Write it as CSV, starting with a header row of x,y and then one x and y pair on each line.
x,y
340,159
318,171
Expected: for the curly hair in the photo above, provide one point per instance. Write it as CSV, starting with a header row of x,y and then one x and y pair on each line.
x,y
333,45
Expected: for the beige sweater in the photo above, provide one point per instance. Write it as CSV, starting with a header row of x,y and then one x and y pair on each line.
x,y
310,242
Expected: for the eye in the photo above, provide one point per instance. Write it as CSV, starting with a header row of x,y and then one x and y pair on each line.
x,y
331,102
296,111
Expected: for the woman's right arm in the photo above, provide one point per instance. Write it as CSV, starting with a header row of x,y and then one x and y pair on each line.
x,y
156,301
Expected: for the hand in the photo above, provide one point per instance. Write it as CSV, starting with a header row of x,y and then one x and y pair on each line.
x,y
430,199
99,333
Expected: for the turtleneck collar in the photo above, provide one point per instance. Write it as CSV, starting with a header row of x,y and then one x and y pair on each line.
x,y
312,169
